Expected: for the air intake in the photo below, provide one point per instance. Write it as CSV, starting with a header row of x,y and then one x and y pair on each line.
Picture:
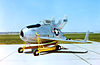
x,y
21,33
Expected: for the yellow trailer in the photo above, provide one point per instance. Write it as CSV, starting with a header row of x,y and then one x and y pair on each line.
x,y
36,50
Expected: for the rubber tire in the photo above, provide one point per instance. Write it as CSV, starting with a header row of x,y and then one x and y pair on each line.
x,y
69,38
58,47
19,50
35,52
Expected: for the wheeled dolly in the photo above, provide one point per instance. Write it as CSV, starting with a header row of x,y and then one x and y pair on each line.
x,y
36,50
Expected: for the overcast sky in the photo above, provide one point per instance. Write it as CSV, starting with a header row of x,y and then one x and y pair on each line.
x,y
83,15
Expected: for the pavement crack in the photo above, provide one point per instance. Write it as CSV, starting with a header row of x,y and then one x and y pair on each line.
x,y
7,56
82,59
87,49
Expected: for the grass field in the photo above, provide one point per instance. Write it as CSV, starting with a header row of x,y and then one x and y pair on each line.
x,y
10,39
15,39
92,36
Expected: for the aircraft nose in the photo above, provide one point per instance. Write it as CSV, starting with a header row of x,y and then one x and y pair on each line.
x,y
27,33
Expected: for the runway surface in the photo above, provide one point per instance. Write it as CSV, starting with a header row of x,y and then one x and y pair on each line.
x,y
75,54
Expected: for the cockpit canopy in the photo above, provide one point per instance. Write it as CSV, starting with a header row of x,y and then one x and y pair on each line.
x,y
47,21
33,26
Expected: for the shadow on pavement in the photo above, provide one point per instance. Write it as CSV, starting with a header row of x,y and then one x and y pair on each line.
x,y
57,51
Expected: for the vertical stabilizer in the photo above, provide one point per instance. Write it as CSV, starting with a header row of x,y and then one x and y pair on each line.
x,y
62,23
86,36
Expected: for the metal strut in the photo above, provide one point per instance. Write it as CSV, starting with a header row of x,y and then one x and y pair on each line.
x,y
41,47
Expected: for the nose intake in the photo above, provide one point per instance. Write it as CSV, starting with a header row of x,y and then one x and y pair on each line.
x,y
21,33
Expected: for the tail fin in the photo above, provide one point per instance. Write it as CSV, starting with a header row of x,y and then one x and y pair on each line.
x,y
61,23
86,36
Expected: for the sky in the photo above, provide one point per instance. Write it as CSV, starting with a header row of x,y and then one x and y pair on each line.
x,y
83,15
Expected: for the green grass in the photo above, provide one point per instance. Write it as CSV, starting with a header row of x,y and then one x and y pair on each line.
x,y
81,36
92,36
15,39
10,39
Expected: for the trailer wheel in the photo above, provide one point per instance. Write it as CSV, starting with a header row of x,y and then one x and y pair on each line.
x,y
58,47
20,50
35,52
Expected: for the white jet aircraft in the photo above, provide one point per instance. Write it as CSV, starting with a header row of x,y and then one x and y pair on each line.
x,y
48,31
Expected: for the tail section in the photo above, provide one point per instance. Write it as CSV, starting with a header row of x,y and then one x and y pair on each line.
x,y
61,23
86,36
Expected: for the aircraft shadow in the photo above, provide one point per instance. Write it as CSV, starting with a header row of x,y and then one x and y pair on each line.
x,y
64,52
57,51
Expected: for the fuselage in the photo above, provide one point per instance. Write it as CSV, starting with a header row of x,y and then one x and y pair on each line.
x,y
48,29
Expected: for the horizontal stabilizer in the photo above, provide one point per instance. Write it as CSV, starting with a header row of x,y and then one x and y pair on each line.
x,y
47,38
